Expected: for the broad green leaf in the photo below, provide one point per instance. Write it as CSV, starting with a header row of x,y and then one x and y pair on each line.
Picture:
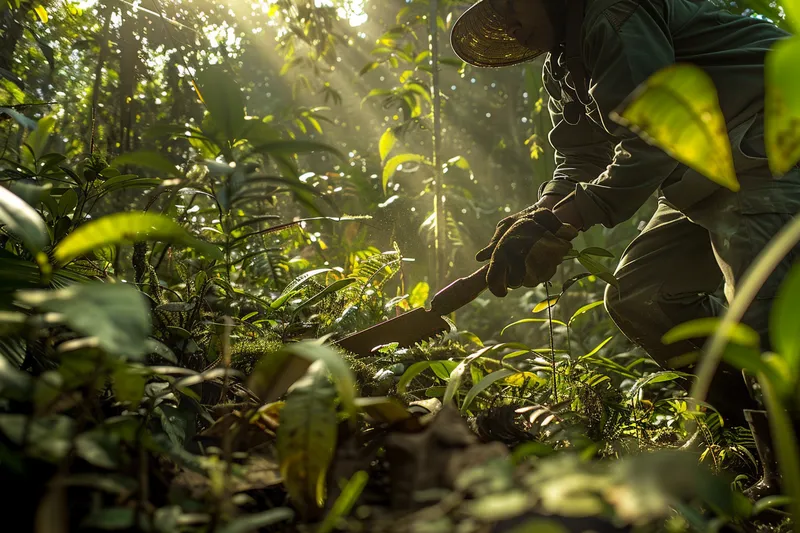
x,y
782,105
128,383
532,321
395,162
586,308
124,228
785,320
386,143
37,139
484,384
656,377
276,372
457,374
306,438
540,525
249,523
677,109
792,10
148,159
14,383
23,222
330,289
117,315
419,295
223,99
598,269
705,327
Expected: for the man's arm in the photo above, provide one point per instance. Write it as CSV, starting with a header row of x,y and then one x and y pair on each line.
x,y
621,56
582,151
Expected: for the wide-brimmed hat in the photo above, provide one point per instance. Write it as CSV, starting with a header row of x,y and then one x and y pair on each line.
x,y
479,38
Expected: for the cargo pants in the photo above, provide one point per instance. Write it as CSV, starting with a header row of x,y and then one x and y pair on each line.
x,y
688,260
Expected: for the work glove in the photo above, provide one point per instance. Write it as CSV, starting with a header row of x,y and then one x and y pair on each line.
x,y
530,246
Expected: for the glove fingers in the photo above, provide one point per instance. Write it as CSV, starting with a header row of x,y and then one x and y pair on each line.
x,y
499,232
496,278
485,253
516,274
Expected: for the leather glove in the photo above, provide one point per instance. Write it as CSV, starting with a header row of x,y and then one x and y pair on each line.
x,y
529,251
548,201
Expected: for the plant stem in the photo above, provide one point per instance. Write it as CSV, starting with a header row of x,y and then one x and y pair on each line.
x,y
552,343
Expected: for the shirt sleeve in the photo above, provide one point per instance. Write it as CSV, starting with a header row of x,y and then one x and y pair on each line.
x,y
582,151
620,58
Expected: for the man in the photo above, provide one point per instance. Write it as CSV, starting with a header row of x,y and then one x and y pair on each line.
x,y
702,237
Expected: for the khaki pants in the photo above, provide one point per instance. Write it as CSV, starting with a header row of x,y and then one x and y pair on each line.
x,y
686,264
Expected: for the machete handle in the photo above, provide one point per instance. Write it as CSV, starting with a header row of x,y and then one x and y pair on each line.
x,y
460,292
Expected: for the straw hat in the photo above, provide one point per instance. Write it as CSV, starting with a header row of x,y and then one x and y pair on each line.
x,y
480,39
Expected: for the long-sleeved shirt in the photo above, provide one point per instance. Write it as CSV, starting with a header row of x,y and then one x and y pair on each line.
x,y
607,169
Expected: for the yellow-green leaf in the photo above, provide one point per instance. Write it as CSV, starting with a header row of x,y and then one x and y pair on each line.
x,y
386,143
677,109
782,106
394,163
419,294
41,12
120,228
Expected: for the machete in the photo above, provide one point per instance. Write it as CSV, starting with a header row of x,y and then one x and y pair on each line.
x,y
419,324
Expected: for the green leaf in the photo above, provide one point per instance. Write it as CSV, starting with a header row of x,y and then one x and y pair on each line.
x,y
544,304
785,320
782,105
705,327
111,518
124,228
23,222
655,377
786,444
386,143
254,522
306,438
419,295
223,99
369,66
598,269
392,165
148,159
792,10
532,321
117,315
128,383
334,287
37,139
412,372
484,384
99,448
457,374
597,348
677,109
586,308
345,502
275,372
41,12
21,119
594,250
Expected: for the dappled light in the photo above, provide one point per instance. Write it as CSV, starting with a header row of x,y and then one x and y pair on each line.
x,y
300,265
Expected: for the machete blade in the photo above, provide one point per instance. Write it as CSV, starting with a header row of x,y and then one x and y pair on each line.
x,y
406,330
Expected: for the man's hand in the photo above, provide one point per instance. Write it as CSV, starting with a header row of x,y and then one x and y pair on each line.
x,y
528,251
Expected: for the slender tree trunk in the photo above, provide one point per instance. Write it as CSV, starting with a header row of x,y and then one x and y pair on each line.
x,y
98,76
129,48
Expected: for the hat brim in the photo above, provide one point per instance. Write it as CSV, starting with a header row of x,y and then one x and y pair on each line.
x,y
479,39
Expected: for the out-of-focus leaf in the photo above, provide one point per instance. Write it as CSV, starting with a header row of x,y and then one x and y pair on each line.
x,y
705,327
275,372
395,162
785,320
386,143
223,99
307,437
419,295
123,228
41,12
148,159
532,321
37,139
21,119
782,105
677,109
255,522
117,315
111,518
23,222
345,502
